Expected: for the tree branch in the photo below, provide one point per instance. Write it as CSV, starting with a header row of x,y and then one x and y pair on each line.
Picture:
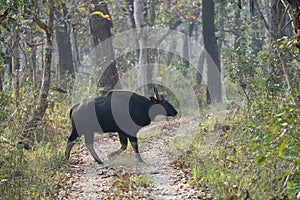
x,y
281,23
41,24
173,26
264,21
4,15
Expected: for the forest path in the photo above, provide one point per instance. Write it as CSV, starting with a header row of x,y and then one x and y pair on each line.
x,y
89,180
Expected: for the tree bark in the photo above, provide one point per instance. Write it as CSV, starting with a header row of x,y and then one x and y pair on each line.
x,y
15,60
74,43
144,69
46,73
276,18
65,65
101,24
33,60
237,22
214,90
256,42
130,8
1,87
295,8
152,12
186,49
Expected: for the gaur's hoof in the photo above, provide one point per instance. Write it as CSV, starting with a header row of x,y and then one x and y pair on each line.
x,y
139,158
99,161
111,155
115,153
141,162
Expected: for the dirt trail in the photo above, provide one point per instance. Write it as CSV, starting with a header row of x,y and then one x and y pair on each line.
x,y
89,180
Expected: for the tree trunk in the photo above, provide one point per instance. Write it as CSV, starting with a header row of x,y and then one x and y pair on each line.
x,y
46,73
33,60
295,8
186,49
144,69
190,26
256,42
1,86
15,60
101,24
130,8
74,43
237,22
214,90
2,75
276,18
222,12
65,65
152,12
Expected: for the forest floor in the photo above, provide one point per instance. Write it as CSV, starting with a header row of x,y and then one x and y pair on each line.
x,y
122,177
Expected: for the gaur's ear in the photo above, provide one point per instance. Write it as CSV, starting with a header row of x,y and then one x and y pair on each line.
x,y
153,100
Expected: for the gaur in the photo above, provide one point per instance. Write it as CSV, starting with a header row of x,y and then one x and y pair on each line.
x,y
119,111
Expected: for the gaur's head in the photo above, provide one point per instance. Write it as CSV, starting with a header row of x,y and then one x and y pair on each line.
x,y
161,105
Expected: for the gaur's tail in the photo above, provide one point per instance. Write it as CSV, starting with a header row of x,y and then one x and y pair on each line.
x,y
71,140
74,133
71,110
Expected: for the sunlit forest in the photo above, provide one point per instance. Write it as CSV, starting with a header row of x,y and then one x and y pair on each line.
x,y
222,80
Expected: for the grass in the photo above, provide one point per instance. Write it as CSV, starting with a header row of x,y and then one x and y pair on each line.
x,y
34,167
231,167
36,173
229,170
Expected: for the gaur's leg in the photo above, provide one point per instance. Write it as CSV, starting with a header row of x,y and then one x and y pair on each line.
x,y
134,144
89,140
124,141
71,141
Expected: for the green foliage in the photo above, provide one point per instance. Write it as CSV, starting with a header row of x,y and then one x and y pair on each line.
x,y
275,128
259,155
269,126
5,100
261,159
33,167
272,112
31,174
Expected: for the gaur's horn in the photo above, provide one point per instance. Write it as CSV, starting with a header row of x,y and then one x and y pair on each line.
x,y
156,95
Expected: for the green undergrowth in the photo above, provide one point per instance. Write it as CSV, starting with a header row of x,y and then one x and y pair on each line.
x,y
32,167
255,154
32,174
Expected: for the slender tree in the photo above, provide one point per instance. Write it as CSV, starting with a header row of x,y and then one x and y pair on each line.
x,y
130,8
46,73
278,52
256,43
144,69
295,8
101,24
15,59
65,65
214,91
33,57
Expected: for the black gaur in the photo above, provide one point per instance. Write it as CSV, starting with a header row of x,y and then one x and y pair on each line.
x,y
123,112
